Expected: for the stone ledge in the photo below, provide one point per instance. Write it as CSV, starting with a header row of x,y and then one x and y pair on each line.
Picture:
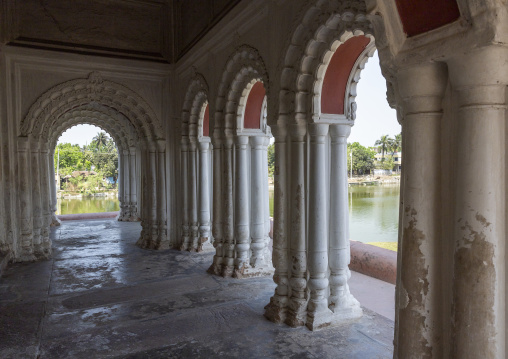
x,y
373,261
83,216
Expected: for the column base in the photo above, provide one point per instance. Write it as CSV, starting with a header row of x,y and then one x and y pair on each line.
x,y
297,313
55,222
215,269
27,255
276,310
227,271
332,319
247,271
204,245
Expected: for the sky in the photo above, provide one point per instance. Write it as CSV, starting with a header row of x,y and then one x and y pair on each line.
x,y
374,118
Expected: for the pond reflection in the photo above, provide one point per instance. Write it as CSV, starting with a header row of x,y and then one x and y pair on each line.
x,y
87,205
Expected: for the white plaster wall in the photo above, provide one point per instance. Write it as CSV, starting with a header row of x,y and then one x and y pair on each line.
x,y
28,73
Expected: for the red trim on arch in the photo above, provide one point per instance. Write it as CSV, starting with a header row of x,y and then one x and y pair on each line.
x,y
206,121
252,117
420,16
337,74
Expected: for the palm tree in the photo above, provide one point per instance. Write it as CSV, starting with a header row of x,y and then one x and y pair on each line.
x,y
385,143
396,143
101,139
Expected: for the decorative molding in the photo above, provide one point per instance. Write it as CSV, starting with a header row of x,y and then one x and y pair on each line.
x,y
74,93
310,41
243,66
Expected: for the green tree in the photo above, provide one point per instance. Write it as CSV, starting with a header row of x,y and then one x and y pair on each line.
x,y
103,157
363,158
387,164
271,160
384,143
70,157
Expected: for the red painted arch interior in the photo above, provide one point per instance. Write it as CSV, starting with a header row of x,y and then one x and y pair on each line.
x,y
337,74
420,16
206,121
253,108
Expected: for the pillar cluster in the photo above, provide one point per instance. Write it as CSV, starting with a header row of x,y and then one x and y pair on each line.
x,y
154,234
241,231
128,172
311,243
196,182
34,200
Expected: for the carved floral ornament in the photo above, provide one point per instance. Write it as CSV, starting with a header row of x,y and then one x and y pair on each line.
x,y
54,103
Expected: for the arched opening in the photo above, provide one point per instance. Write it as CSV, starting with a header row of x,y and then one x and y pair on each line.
x,y
142,160
373,212
196,169
86,161
252,211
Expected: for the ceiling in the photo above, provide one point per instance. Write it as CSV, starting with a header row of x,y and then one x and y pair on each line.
x,y
156,30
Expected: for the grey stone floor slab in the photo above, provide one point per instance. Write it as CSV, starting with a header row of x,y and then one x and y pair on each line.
x,y
100,296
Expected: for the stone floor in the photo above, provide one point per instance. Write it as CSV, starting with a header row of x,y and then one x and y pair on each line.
x,y
102,297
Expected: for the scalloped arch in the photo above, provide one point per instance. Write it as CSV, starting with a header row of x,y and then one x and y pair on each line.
x,y
322,24
54,103
243,66
115,124
195,97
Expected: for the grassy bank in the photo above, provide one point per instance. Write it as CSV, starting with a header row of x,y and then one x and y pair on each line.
x,y
387,245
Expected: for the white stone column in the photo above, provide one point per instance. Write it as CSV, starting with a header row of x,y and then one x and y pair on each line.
x,y
126,186
216,267
133,205
25,201
241,206
204,194
227,207
341,301
185,193
148,201
52,187
297,306
193,197
35,181
162,240
318,314
266,198
419,319
45,199
276,309
120,183
257,230
478,311
259,261
154,218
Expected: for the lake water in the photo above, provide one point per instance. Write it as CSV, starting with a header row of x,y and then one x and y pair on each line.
x,y
373,213
87,205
